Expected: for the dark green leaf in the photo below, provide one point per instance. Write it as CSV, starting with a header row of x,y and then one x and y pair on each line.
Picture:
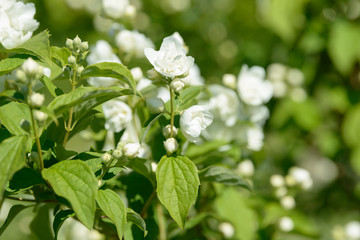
x,y
134,217
25,178
60,218
143,167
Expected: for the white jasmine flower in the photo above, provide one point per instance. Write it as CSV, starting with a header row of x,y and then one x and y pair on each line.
x,y
286,224
194,78
133,42
302,177
258,114
255,137
118,115
179,38
17,22
229,80
225,104
252,87
287,202
171,145
352,230
277,180
171,60
194,121
177,85
37,99
131,150
246,168
115,8
102,52
227,229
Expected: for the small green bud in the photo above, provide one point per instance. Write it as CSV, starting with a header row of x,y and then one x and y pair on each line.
x,y
177,85
24,124
71,60
106,157
69,44
117,154
84,46
77,42
79,70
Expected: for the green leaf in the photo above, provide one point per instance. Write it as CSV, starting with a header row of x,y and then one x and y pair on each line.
x,y
109,69
11,115
38,46
25,178
12,158
187,97
114,208
351,126
40,226
85,98
9,64
134,217
143,167
194,151
178,184
12,214
60,218
223,175
60,54
74,180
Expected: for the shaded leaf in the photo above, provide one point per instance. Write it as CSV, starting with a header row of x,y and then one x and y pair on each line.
x,y
134,217
60,218
143,167
12,214
25,178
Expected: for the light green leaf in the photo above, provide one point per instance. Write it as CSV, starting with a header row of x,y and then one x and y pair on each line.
x,y
134,217
12,158
85,98
351,126
9,64
38,46
223,175
187,97
11,115
60,54
178,184
73,180
109,69
114,208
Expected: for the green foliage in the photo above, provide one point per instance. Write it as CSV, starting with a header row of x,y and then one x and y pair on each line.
x,y
12,158
132,216
178,184
60,218
11,215
9,64
74,180
11,116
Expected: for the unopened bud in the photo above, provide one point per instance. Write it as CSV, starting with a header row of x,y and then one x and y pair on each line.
x,y
20,74
79,70
177,85
24,124
77,42
84,46
137,73
155,105
229,80
287,202
117,154
40,116
131,150
154,75
69,44
166,131
171,145
106,157
37,99
30,67
71,60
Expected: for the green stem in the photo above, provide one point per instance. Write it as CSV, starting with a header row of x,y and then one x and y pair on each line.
x,y
144,210
172,113
162,222
37,140
69,127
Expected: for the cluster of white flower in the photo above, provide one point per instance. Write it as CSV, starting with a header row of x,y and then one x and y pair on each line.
x,y
351,231
287,82
132,42
17,22
297,178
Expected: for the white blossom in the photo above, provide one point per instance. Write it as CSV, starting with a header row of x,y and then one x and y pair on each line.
x,y
131,150
177,85
166,131
194,121
133,42
229,80
17,22
194,78
115,8
252,87
40,116
287,202
352,230
246,168
302,177
117,114
102,52
37,99
227,229
171,145
286,224
255,137
277,180
171,60
106,157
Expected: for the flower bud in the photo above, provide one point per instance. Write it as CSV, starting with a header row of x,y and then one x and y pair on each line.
x,y
40,116
69,44
71,60
154,75
155,105
166,131
84,46
130,11
246,168
171,145
277,180
137,73
286,224
37,99
287,202
79,70
77,42
229,80
24,124
106,157
117,154
30,67
177,85
131,150
21,76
